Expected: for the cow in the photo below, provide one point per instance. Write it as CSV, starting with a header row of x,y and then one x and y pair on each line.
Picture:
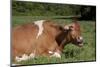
x,y
43,38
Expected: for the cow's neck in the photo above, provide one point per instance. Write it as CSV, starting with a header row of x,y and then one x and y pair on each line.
x,y
61,39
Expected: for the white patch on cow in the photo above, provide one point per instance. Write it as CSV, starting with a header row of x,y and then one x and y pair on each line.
x,y
32,55
25,57
56,54
66,27
40,25
50,52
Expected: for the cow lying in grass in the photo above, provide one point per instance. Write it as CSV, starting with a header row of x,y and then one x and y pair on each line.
x,y
43,38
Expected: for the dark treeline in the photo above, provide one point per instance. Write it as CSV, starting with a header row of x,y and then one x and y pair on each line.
x,y
20,8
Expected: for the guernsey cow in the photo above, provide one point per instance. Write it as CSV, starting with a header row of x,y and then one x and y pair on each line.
x,y
43,38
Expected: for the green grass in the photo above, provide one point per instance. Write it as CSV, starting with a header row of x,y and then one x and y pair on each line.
x,y
71,53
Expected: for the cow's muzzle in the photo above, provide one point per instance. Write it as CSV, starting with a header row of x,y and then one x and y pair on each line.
x,y
80,41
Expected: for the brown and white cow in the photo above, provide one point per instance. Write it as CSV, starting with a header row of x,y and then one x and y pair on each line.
x,y
43,38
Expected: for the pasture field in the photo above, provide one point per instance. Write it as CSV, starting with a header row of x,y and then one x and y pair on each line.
x,y
71,53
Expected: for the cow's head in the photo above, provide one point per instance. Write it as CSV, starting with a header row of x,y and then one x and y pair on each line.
x,y
74,34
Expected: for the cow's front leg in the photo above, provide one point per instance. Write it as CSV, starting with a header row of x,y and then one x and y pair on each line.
x,y
54,50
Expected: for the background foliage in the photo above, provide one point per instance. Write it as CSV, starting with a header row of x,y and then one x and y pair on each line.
x,y
21,8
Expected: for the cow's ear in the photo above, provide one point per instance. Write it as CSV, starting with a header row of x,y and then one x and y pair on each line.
x,y
71,27
68,27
